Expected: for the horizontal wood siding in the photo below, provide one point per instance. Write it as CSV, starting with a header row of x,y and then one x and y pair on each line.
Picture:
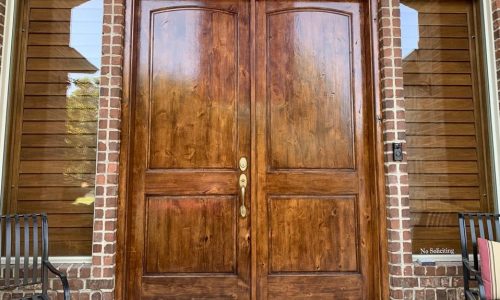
x,y
444,119
55,134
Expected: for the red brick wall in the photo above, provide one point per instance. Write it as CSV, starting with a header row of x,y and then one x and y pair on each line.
x,y
105,211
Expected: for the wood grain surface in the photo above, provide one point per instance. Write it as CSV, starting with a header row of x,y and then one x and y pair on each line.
x,y
447,140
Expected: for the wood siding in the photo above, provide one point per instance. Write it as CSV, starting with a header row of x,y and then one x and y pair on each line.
x,y
446,131
54,127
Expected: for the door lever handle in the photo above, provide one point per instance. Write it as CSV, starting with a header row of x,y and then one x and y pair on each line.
x,y
243,186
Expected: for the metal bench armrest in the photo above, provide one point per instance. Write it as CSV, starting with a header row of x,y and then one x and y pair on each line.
x,y
477,275
469,266
61,276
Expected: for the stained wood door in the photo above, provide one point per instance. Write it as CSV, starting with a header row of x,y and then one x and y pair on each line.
x,y
191,127
283,84
314,185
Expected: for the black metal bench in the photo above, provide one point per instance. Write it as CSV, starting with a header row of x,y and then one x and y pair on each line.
x,y
472,226
25,261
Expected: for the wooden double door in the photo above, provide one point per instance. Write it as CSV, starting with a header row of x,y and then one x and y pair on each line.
x,y
251,166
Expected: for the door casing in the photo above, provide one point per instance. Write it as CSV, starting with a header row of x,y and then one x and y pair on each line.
x,y
381,284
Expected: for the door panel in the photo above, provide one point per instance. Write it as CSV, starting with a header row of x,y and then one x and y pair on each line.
x,y
192,103
313,197
199,233
309,122
311,234
193,64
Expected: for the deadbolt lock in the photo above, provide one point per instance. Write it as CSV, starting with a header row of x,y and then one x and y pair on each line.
x,y
243,164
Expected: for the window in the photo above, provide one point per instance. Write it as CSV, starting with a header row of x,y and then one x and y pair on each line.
x,y
447,139
54,119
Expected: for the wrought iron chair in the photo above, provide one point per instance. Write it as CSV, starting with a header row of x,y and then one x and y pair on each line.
x,y
23,263
484,225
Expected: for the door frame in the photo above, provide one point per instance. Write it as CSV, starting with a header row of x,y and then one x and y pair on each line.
x,y
381,278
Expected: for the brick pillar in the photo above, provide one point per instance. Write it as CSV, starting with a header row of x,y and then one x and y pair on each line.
x,y
398,210
108,146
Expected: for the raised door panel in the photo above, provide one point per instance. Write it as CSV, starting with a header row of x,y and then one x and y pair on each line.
x,y
312,234
313,198
193,89
199,233
309,100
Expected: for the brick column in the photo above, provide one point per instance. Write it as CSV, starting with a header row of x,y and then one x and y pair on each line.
x,y
391,85
105,209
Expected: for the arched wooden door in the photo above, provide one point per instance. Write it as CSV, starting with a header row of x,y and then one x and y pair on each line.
x,y
251,150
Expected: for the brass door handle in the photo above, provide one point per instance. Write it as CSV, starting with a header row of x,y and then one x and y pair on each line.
x,y
243,186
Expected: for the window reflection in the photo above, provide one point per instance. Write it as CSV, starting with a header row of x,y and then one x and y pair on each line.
x,y
444,136
83,91
55,163
409,29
